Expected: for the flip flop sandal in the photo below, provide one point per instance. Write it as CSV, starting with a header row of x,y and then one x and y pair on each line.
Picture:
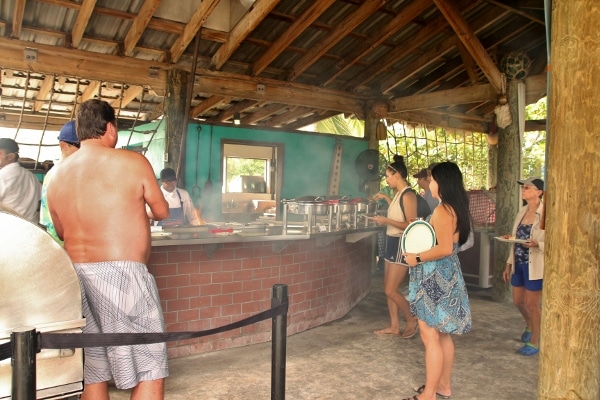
x,y
422,387
526,336
528,350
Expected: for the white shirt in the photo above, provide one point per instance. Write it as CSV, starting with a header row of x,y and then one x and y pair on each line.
x,y
189,212
20,190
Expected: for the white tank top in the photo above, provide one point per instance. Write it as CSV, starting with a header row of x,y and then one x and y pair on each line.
x,y
395,213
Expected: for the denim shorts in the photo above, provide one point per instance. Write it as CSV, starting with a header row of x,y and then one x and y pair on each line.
x,y
521,278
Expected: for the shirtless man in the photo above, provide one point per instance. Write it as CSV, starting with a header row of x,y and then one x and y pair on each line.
x,y
97,201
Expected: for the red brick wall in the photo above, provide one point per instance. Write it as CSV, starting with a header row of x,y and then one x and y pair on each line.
x,y
200,291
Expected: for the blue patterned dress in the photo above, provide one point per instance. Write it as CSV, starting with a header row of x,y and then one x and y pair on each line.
x,y
438,295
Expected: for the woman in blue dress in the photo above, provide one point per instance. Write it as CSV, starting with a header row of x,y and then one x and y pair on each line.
x,y
437,292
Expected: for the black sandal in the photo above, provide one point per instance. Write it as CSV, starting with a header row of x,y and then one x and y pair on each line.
x,y
422,387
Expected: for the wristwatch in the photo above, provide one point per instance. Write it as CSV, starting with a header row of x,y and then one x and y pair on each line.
x,y
418,257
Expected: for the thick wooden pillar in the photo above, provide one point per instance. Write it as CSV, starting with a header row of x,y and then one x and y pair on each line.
x,y
570,342
507,193
176,126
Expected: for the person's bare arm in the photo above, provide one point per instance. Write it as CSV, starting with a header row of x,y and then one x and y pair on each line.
x,y
409,201
159,208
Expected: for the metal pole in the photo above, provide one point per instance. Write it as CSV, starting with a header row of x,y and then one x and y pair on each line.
x,y
23,363
278,343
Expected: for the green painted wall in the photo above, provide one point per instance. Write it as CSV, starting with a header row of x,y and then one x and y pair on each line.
x,y
307,157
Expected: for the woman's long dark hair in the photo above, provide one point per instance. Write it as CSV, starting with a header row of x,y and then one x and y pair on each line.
x,y
452,192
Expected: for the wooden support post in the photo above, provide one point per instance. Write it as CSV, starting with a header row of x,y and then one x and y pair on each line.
x,y
570,341
175,105
507,192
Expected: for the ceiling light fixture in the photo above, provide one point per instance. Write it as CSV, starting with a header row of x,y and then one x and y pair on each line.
x,y
236,118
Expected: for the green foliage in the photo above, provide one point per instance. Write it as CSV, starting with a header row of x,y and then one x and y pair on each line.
x,y
534,143
422,146
339,125
237,167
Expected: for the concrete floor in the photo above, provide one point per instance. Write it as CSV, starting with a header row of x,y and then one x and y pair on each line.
x,y
345,360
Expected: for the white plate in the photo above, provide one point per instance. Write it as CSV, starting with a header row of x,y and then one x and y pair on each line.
x,y
160,234
511,240
418,236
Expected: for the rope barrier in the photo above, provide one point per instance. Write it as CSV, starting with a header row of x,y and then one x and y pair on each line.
x,y
82,340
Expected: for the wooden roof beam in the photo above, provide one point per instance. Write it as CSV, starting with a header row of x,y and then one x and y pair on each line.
x,y
296,29
198,19
207,104
443,98
128,96
72,62
434,54
519,12
224,84
17,21
367,8
83,17
441,120
45,90
139,25
238,107
263,113
469,63
311,119
290,116
245,25
469,39
403,18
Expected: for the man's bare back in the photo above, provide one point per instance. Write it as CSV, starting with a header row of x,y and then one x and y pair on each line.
x,y
97,202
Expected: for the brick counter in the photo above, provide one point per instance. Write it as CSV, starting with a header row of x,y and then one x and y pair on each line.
x,y
201,288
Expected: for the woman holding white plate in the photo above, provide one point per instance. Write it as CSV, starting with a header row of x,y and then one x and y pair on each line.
x,y
437,291
526,263
395,270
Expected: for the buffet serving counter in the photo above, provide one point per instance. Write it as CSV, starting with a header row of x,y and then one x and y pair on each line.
x,y
212,275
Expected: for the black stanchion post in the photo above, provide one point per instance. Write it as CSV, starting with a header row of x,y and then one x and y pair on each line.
x,y
24,344
278,343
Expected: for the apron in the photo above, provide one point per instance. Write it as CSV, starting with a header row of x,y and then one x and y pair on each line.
x,y
175,215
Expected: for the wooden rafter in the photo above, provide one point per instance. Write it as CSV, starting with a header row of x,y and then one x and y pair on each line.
x,y
128,96
17,21
338,33
249,21
442,120
442,98
290,116
71,62
264,112
43,93
384,62
83,17
303,95
90,91
207,104
468,62
139,25
519,12
469,39
191,28
296,29
238,107
394,25
433,55
311,119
